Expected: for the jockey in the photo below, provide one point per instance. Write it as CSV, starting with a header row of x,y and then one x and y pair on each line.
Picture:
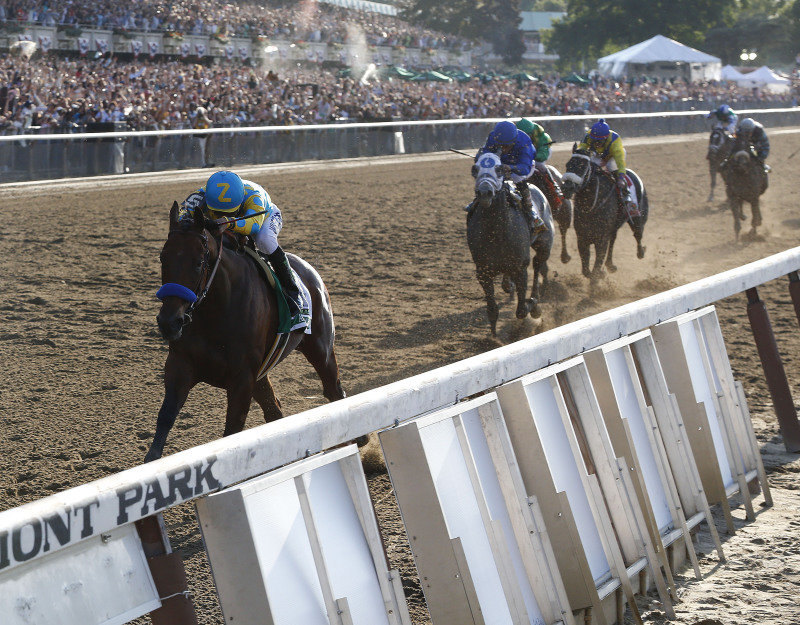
x,y
516,154
225,195
605,147
541,142
751,133
724,117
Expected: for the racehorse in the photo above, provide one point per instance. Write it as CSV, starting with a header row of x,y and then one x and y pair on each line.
x,y
597,212
500,240
745,181
221,319
720,144
563,214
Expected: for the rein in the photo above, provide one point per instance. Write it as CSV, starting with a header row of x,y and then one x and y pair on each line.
x,y
192,296
590,169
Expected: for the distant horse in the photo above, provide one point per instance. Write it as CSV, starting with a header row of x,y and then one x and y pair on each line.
x,y
563,214
500,240
745,181
597,212
719,148
221,320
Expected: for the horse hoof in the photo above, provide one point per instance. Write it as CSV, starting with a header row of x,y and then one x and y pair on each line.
x,y
536,311
361,441
565,258
586,273
611,267
640,251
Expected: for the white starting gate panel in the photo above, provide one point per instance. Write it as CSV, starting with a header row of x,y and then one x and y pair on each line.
x,y
100,581
301,545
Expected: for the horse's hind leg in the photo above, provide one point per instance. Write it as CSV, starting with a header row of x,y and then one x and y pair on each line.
x,y
564,218
637,225
324,363
584,252
177,384
712,169
524,306
264,394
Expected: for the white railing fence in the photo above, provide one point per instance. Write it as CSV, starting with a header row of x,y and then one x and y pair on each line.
x,y
37,157
32,534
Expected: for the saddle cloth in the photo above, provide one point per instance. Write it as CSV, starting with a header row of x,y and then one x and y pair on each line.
x,y
286,324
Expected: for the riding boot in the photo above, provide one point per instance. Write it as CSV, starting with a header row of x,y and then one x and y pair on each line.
x,y
554,193
535,222
285,275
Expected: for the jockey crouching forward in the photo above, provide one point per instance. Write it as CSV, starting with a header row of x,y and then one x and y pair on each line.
x,y
541,144
723,117
516,154
751,136
605,148
226,195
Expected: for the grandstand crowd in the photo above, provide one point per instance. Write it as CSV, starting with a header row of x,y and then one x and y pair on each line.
x,y
300,21
60,95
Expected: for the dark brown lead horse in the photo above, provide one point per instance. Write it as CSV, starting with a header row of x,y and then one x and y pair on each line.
x,y
220,318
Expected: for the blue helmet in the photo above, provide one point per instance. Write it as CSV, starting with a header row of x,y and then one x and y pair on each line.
x,y
599,131
224,192
723,109
505,132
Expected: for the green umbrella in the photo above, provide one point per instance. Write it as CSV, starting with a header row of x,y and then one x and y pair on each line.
x,y
432,76
576,80
400,72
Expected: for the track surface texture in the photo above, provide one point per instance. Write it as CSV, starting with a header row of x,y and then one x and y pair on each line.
x,y
82,358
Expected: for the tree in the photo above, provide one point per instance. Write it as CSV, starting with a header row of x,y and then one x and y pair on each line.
x,y
496,21
596,27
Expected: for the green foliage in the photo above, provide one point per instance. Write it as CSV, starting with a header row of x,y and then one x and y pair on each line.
x,y
549,5
492,20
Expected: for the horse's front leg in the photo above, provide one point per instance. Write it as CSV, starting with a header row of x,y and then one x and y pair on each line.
x,y
564,218
178,381
755,206
539,267
239,396
520,278
584,251
487,283
712,169
736,210
600,250
610,256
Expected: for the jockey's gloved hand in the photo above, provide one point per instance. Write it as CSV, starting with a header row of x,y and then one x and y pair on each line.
x,y
621,182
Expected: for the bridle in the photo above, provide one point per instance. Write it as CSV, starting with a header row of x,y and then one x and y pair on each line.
x,y
584,180
194,296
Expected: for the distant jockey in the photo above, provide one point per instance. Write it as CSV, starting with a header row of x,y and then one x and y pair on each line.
x,y
226,195
516,153
605,147
724,117
752,135
541,143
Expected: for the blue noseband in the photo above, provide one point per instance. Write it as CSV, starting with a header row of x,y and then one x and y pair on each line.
x,y
178,290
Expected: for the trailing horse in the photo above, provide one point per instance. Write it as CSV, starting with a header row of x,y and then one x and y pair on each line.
x,y
720,144
563,214
500,240
597,212
221,320
745,181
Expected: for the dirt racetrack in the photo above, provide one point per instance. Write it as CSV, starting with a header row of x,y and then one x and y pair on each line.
x,y
82,358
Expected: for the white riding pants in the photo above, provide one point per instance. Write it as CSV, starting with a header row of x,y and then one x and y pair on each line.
x,y
266,239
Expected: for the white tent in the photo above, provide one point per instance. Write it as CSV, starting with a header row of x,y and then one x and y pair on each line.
x,y
764,78
663,57
729,72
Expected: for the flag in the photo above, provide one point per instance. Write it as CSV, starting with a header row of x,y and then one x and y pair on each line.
x,y
244,52
101,45
200,50
152,46
229,50
185,47
83,45
136,48
45,43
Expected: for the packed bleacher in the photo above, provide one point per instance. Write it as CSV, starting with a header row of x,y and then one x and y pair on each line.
x,y
61,95
305,21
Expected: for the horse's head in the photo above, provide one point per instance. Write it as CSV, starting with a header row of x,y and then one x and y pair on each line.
x,y
578,172
719,142
741,159
488,179
185,266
